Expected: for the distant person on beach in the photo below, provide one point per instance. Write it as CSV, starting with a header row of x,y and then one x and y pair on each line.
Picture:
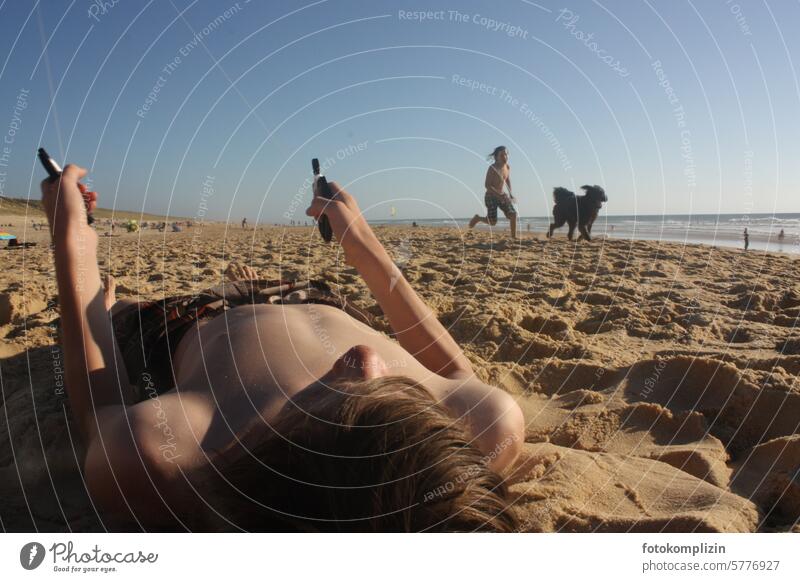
x,y
781,235
746,240
497,177
307,418
244,223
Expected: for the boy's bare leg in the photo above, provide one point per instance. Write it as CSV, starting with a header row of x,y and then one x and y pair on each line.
x,y
513,220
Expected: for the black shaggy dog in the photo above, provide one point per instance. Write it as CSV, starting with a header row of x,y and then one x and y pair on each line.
x,y
580,210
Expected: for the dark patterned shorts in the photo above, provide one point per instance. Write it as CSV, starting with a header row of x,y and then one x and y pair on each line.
x,y
493,202
148,332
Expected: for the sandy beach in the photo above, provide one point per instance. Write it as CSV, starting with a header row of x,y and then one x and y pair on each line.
x,y
659,381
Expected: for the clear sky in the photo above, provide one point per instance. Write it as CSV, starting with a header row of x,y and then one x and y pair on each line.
x,y
673,106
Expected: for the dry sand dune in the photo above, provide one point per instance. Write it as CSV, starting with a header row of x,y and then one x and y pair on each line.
x,y
659,382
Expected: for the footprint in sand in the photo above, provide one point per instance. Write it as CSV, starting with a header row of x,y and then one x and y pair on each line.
x,y
789,346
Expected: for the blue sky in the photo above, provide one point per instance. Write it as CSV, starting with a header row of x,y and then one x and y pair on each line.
x,y
672,106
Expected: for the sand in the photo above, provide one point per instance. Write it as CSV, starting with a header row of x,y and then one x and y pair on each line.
x,y
659,382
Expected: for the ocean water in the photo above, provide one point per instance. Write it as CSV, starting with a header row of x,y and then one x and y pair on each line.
x,y
723,230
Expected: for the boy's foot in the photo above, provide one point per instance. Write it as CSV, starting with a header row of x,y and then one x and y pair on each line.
x,y
238,272
474,221
109,291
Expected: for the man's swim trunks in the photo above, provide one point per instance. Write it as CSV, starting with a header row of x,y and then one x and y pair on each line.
x,y
148,332
493,202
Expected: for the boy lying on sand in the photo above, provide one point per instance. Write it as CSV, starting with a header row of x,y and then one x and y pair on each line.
x,y
498,176
267,405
